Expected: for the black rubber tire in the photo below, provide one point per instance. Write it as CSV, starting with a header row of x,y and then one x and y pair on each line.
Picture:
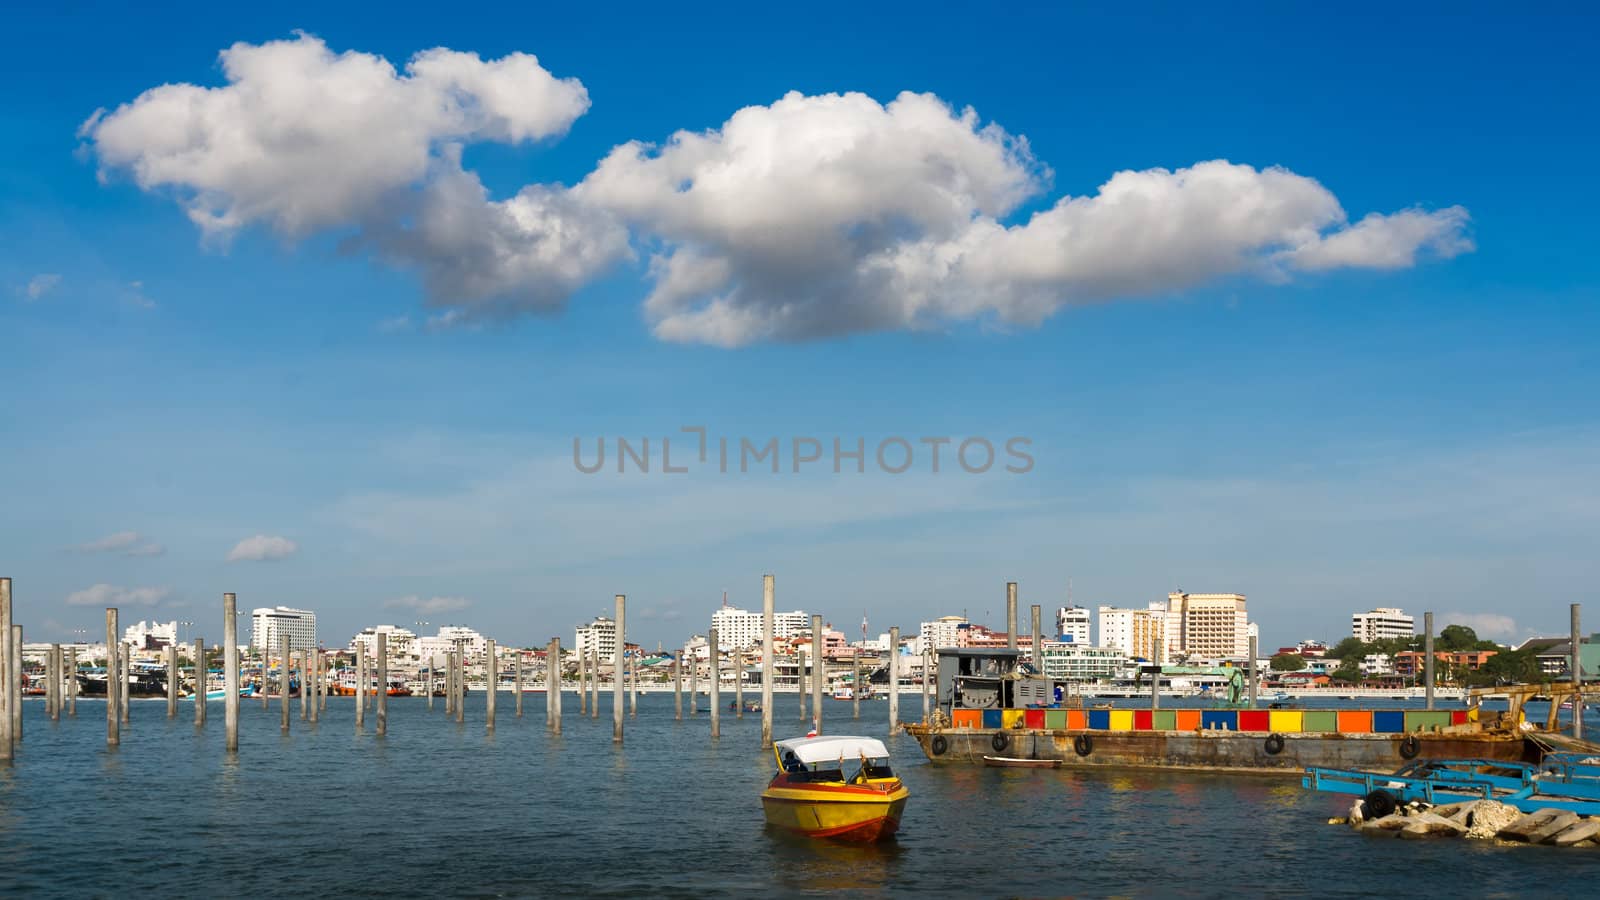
x,y
1410,747
1378,804
1274,744
1000,741
939,745
1083,745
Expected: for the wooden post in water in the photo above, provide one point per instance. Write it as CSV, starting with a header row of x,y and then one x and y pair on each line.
x,y
738,682
1038,641
767,592
819,671
553,688
283,681
855,683
516,663
694,682
1427,662
1577,673
1253,679
113,719
381,695
491,678
199,681
361,686
616,677
677,687
230,674
894,674
800,678
716,679
172,680
10,691
1011,616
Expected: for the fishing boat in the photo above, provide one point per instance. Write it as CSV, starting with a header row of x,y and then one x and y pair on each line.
x,y
834,787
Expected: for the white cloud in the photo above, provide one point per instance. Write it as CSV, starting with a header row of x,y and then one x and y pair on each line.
x,y
40,285
128,543
262,548
113,595
429,606
807,218
1487,625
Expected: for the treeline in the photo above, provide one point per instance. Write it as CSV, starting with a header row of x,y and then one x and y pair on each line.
x,y
1505,667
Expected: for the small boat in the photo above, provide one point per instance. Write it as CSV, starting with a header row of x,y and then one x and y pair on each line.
x,y
749,706
1019,763
834,787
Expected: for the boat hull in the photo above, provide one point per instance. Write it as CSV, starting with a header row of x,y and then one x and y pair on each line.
x,y
1238,751
835,812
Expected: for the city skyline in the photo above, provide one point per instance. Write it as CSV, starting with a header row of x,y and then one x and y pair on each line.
x,y
1291,331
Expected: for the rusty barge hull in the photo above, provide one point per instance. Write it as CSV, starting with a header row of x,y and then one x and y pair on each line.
x,y
1217,751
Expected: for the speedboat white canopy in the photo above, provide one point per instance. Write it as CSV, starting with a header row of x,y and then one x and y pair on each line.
x,y
832,748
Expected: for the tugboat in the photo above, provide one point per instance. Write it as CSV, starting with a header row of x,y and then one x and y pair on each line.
x,y
839,788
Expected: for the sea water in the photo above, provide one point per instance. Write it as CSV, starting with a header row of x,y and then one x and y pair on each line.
x,y
437,808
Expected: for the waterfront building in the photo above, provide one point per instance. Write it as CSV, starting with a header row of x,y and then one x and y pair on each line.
x,y
945,631
1382,623
1208,626
269,624
397,641
599,636
1081,662
742,628
1136,632
436,646
1409,663
1072,624
150,635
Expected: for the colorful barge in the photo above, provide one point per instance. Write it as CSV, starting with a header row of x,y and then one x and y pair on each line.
x,y
991,706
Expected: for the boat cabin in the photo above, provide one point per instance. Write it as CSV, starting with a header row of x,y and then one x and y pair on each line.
x,y
983,678
836,759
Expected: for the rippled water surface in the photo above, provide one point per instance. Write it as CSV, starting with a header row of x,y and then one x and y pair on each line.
x,y
440,809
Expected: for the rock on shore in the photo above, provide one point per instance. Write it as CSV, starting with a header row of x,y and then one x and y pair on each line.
x,y
1481,820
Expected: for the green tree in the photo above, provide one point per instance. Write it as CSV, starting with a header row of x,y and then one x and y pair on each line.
x,y
1349,671
1456,637
1349,648
1287,662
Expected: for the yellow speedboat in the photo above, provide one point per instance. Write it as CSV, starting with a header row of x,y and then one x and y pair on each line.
x,y
834,787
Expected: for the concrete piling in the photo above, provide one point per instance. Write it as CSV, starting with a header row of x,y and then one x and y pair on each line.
x,y
594,682
283,681
516,674
819,671
9,690
855,684
266,700
381,694
738,682
927,682
315,668
361,687
461,683
800,679
1038,640
15,678
583,682
125,693
616,677
305,685
716,684
491,677
449,684
894,666
427,684
172,681
199,681
52,683
1011,616
113,710
1427,661
72,682
677,687
1577,673
694,684
230,676
767,599
1254,679
553,688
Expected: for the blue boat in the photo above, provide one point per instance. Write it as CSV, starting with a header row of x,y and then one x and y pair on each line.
x,y
1569,781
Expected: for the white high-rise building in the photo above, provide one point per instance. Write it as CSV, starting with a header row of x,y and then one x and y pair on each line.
x,y
1136,632
150,635
435,647
397,641
944,631
1072,624
1080,662
599,636
741,628
268,624
1380,624
1208,626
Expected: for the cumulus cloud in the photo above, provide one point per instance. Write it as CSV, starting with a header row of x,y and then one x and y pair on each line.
x,y
303,140
429,606
1492,626
810,217
113,595
262,548
825,215
40,285
127,543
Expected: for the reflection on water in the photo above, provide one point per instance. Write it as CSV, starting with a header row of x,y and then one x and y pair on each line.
x,y
437,808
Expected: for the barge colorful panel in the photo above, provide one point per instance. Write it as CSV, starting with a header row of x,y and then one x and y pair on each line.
x,y
1282,721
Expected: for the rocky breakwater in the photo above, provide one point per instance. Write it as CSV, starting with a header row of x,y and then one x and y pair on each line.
x,y
1475,819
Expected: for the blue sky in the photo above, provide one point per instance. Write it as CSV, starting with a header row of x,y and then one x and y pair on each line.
x,y
1298,417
